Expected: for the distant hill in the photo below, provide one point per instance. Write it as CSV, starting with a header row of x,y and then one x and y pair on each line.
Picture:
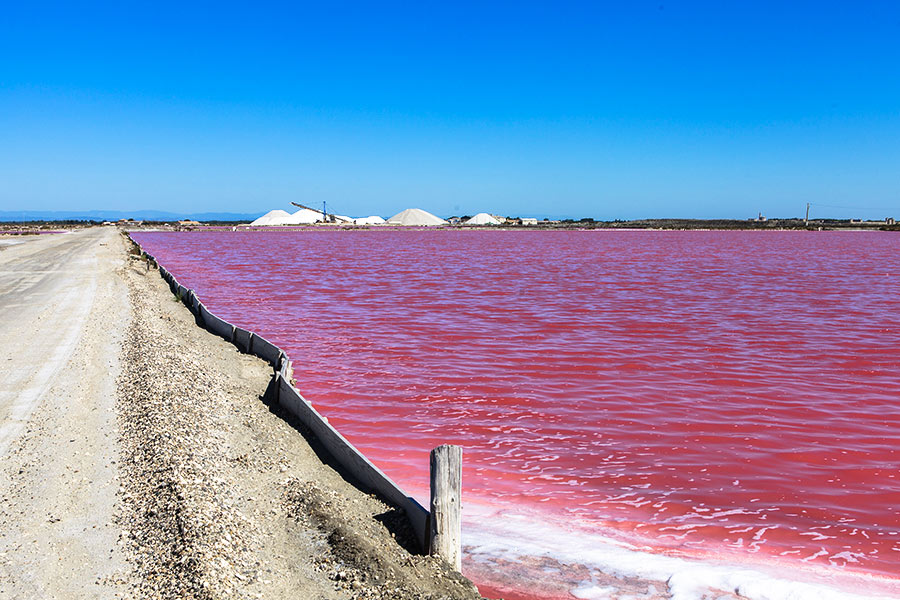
x,y
115,215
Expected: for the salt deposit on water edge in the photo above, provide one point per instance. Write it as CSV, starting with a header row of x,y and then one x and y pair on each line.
x,y
618,570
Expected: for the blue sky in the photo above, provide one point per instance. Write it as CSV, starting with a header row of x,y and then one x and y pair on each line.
x,y
610,110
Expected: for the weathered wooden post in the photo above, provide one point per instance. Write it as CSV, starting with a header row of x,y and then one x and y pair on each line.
x,y
446,499
287,368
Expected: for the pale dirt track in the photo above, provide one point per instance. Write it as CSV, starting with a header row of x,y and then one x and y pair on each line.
x,y
140,457
63,310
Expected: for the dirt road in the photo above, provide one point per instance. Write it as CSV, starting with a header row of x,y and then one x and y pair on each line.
x,y
63,311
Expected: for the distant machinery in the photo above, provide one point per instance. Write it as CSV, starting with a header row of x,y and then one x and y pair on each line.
x,y
325,216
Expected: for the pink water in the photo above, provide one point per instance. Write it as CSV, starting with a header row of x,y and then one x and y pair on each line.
x,y
702,394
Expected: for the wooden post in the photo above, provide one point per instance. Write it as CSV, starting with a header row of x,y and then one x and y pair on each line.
x,y
446,496
287,369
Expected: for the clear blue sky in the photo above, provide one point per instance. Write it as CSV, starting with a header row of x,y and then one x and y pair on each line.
x,y
611,110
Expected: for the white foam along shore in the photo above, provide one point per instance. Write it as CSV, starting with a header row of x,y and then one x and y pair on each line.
x,y
491,535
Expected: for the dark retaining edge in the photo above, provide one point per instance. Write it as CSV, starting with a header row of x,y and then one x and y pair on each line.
x,y
266,350
291,400
242,339
216,325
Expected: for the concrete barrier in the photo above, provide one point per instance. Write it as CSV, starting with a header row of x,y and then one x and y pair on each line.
x,y
266,350
242,339
352,459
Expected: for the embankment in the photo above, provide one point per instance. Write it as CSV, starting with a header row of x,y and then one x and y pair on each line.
x,y
226,493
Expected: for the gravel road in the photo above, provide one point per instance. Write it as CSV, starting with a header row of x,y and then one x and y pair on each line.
x,y
63,312
142,458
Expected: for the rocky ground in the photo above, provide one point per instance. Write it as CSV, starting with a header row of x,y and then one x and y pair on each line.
x,y
223,496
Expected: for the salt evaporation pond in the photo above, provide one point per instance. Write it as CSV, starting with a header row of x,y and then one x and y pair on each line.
x,y
644,414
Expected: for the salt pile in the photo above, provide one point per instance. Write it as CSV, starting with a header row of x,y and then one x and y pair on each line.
x,y
372,220
304,216
482,219
278,217
415,217
273,217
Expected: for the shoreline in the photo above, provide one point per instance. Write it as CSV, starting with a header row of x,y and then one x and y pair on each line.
x,y
280,468
511,544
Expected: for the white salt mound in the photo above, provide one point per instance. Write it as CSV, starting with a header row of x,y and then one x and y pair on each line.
x,y
482,219
273,217
373,220
416,217
304,216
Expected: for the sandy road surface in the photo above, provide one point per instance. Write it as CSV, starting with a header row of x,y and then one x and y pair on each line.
x,y
63,309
